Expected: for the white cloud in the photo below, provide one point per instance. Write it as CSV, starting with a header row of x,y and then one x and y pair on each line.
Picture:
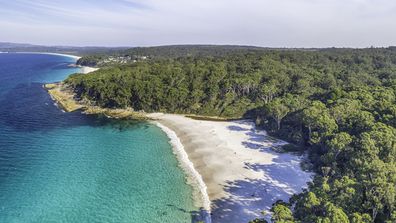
x,y
274,23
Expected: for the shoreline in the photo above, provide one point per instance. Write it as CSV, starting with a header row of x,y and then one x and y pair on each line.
x,y
87,70
201,197
65,99
49,53
243,175
84,69
232,166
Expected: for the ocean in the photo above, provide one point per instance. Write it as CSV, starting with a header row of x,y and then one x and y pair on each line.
x,y
69,167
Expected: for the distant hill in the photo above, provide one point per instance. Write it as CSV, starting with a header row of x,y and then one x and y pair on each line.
x,y
80,51
131,55
166,52
191,50
105,56
5,45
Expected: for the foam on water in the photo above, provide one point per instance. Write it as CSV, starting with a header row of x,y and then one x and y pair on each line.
x,y
195,178
69,167
201,196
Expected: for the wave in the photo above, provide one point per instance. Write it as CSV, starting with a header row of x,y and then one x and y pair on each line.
x,y
193,175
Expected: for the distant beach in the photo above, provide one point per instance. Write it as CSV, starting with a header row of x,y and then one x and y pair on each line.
x,y
84,69
56,54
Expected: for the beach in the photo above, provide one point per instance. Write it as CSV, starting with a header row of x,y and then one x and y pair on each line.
x,y
55,54
235,172
86,70
242,174
83,69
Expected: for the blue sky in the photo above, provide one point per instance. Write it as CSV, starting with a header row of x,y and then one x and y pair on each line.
x,y
273,23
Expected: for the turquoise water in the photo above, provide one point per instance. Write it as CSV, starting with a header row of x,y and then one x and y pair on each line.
x,y
68,167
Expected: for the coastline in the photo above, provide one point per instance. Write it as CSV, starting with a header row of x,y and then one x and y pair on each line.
x,y
84,69
64,55
233,169
241,172
48,53
87,70
194,179
65,99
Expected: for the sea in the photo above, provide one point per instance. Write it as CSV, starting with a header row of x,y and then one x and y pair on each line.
x,y
70,167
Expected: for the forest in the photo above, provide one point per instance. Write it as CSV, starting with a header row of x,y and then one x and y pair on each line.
x,y
166,52
339,105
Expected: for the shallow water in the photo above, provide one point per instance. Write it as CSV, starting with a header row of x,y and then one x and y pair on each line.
x,y
68,167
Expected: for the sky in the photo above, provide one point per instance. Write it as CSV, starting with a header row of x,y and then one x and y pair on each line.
x,y
269,23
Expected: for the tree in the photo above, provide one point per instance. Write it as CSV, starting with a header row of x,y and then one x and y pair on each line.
x,y
360,218
306,206
335,214
319,122
277,110
268,92
281,213
338,103
339,143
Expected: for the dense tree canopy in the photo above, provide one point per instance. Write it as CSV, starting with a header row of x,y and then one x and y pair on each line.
x,y
338,104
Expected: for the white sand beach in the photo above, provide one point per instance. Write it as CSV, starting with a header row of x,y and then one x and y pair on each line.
x,y
86,70
243,175
56,54
83,69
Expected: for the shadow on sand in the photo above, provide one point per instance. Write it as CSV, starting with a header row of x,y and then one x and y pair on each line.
x,y
249,197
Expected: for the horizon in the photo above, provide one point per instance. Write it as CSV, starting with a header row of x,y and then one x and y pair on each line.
x,y
197,44
198,111
268,23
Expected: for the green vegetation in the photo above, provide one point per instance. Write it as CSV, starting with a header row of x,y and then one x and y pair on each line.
x,y
339,104
165,52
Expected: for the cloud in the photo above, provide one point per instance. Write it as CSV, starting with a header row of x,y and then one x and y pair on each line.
x,y
274,23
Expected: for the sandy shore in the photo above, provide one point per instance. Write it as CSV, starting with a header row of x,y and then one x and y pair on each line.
x,y
243,175
234,170
56,54
86,70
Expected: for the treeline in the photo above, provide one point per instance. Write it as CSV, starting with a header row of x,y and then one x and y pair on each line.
x,y
339,104
91,60
175,51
